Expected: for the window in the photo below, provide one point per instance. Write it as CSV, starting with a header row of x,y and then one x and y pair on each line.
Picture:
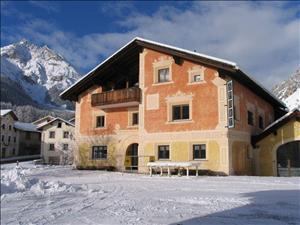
x,y
9,127
66,134
8,138
65,146
2,138
3,126
28,135
52,134
15,139
199,151
59,125
51,147
99,152
135,119
261,122
14,151
250,118
163,75
180,112
197,78
100,121
163,152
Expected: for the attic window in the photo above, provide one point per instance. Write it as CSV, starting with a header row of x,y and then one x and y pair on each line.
x,y
59,125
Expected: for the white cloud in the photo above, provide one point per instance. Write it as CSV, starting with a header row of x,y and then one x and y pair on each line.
x,y
263,38
48,6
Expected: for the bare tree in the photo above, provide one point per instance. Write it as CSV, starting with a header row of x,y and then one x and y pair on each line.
x,y
67,152
83,158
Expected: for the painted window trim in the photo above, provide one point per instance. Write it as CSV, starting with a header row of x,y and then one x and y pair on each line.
x,y
162,64
95,121
130,113
194,71
180,100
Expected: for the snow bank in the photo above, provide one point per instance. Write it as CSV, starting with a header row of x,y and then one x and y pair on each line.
x,y
16,180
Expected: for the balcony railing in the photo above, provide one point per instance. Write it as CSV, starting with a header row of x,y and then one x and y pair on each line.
x,y
121,97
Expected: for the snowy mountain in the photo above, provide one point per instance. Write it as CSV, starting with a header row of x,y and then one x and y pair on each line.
x,y
39,73
289,91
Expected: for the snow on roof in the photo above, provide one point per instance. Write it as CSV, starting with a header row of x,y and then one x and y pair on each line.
x,y
3,112
43,118
155,43
8,111
187,51
51,121
26,126
280,119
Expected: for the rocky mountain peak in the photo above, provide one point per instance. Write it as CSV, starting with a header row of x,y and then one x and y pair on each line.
x,y
40,71
289,90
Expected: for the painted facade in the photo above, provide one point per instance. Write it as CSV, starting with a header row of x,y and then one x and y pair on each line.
x,y
199,87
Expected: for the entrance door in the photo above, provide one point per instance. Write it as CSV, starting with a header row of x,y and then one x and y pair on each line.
x,y
132,156
288,159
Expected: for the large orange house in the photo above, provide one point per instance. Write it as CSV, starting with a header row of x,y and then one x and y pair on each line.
x,y
151,102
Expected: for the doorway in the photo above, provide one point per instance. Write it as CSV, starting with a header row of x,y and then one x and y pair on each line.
x,y
288,159
131,159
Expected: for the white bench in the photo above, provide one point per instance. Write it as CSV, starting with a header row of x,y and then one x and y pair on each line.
x,y
174,165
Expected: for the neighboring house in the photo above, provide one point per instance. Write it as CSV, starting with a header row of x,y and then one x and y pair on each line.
x,y
72,120
43,120
9,143
29,139
18,138
57,141
278,147
155,102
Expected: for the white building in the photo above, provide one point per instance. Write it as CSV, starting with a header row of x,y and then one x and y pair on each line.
x,y
57,141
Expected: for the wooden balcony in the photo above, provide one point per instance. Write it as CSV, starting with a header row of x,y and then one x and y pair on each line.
x,y
118,98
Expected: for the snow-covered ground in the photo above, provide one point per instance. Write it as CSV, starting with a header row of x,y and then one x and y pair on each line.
x,y
59,195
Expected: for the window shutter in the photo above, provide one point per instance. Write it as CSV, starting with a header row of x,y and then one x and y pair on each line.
x,y
230,104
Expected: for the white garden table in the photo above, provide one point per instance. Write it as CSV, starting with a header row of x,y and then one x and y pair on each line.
x,y
174,165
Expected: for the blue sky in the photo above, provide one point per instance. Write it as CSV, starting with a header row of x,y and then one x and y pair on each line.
x,y
262,37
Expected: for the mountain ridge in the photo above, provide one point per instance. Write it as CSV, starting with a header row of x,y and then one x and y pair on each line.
x,y
40,72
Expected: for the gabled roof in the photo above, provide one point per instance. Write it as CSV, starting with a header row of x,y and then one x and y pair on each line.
x,y
48,117
4,112
26,127
276,124
55,119
228,67
72,120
